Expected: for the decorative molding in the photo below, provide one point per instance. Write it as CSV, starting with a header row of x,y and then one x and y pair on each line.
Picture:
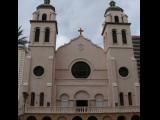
x,y
41,45
25,83
114,85
50,57
137,84
82,38
28,57
49,84
83,85
65,69
112,23
75,79
81,47
133,59
41,21
112,58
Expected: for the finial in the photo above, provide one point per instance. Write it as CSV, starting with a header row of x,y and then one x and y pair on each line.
x,y
80,31
112,3
46,1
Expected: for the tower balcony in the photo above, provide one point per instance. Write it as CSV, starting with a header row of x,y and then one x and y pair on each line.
x,y
124,109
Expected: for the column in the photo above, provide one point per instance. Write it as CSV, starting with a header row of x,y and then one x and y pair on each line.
x,y
134,70
114,81
115,94
42,35
32,35
27,74
137,94
50,83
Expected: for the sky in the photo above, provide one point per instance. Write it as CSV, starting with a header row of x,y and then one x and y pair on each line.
x,y
73,14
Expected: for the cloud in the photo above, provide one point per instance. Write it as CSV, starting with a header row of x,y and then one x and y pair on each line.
x,y
61,40
73,14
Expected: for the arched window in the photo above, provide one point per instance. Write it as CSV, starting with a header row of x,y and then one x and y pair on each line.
x,y
41,103
48,103
31,118
114,36
124,38
116,19
47,34
99,100
130,98
32,98
37,34
64,100
44,17
121,118
121,98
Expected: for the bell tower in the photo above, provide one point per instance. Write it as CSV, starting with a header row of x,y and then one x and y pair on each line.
x,y
122,68
39,69
44,26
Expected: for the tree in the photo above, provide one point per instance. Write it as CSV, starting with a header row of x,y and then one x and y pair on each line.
x,y
21,40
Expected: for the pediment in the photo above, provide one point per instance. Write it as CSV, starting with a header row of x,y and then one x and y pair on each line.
x,y
82,41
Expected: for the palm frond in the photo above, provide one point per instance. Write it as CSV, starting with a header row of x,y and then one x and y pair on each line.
x,y
21,40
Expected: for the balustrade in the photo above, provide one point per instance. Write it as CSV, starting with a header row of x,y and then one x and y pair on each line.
x,y
81,109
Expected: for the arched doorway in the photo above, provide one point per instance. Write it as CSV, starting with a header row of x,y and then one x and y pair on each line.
x,y
31,118
92,118
81,98
46,118
77,118
121,118
135,117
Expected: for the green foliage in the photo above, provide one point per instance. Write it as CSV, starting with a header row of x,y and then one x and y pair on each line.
x,y
21,40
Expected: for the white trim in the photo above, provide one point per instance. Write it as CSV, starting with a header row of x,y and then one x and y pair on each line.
x,y
50,57
25,84
133,59
112,58
49,84
28,57
137,84
114,84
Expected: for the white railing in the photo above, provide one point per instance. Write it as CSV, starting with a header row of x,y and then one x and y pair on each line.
x,y
81,109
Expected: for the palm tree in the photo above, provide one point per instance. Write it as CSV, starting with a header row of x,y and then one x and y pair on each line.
x,y
21,40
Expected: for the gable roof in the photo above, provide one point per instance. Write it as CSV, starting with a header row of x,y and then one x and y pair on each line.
x,y
77,38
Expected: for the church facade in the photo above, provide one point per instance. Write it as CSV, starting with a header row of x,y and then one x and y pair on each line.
x,y
79,80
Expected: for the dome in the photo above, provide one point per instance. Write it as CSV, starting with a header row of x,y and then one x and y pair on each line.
x,y
113,7
46,6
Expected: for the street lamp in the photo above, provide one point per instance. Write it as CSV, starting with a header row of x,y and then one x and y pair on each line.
x,y
25,96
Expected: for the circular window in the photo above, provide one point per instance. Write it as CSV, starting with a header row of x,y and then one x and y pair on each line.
x,y
81,70
123,71
38,71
